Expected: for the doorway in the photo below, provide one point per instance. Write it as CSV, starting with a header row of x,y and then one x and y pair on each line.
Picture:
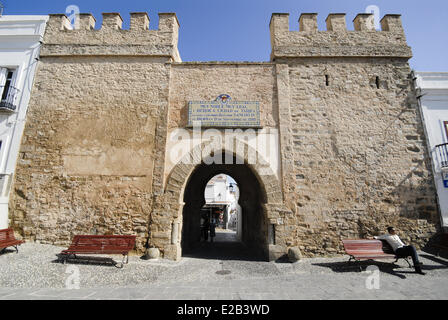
x,y
221,216
251,242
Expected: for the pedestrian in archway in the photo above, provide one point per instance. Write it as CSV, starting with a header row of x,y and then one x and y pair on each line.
x,y
205,227
212,229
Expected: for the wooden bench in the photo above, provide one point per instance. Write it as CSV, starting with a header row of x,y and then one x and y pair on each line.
x,y
97,244
359,250
7,239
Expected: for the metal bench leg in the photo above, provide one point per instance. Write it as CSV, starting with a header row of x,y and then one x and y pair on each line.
x,y
407,260
65,257
17,249
124,261
356,262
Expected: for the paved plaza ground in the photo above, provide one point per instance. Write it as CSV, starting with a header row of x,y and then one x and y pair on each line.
x,y
219,274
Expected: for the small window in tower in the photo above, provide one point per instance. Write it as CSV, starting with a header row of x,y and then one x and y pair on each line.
x,y
377,81
327,80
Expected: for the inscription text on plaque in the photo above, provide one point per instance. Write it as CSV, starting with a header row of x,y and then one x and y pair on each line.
x,y
224,113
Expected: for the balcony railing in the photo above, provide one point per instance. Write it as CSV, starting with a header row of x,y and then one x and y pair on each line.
x,y
442,154
9,98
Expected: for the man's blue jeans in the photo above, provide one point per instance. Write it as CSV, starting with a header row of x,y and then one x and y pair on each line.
x,y
408,251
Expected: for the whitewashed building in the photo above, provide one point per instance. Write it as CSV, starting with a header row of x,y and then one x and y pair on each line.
x,y
222,191
432,89
20,41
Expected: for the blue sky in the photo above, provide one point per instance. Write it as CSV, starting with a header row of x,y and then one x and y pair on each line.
x,y
238,30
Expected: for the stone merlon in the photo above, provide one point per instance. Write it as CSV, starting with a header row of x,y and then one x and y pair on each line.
x,y
62,39
337,40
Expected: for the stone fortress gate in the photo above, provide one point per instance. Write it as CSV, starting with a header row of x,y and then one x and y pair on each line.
x,y
325,140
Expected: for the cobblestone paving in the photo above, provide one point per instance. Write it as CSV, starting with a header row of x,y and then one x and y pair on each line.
x,y
34,273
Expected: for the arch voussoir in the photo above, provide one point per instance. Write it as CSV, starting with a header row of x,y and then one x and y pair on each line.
x,y
180,174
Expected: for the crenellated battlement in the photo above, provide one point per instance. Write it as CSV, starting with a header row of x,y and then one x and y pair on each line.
x,y
61,39
337,40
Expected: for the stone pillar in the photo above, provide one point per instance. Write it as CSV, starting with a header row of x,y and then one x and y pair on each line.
x,y
86,21
286,144
364,22
173,252
139,21
58,22
271,234
112,21
276,252
168,23
175,233
279,24
308,22
278,28
336,22
392,23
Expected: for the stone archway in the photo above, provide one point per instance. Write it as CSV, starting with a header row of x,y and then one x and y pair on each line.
x,y
255,227
167,215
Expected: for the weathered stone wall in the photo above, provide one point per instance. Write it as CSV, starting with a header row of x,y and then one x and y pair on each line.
x,y
199,81
354,134
337,41
351,155
203,81
92,155
87,157
110,38
357,149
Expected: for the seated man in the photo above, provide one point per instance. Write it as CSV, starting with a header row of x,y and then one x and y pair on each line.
x,y
400,249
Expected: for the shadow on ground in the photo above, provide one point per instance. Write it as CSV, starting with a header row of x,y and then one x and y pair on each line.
x,y
434,251
345,266
103,261
223,251
386,267
438,245
435,259
6,251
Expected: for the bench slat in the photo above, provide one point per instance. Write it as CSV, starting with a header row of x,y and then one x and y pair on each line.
x,y
366,249
10,243
8,239
97,244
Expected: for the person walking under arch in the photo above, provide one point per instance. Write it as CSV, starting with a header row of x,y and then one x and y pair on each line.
x,y
205,227
212,229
